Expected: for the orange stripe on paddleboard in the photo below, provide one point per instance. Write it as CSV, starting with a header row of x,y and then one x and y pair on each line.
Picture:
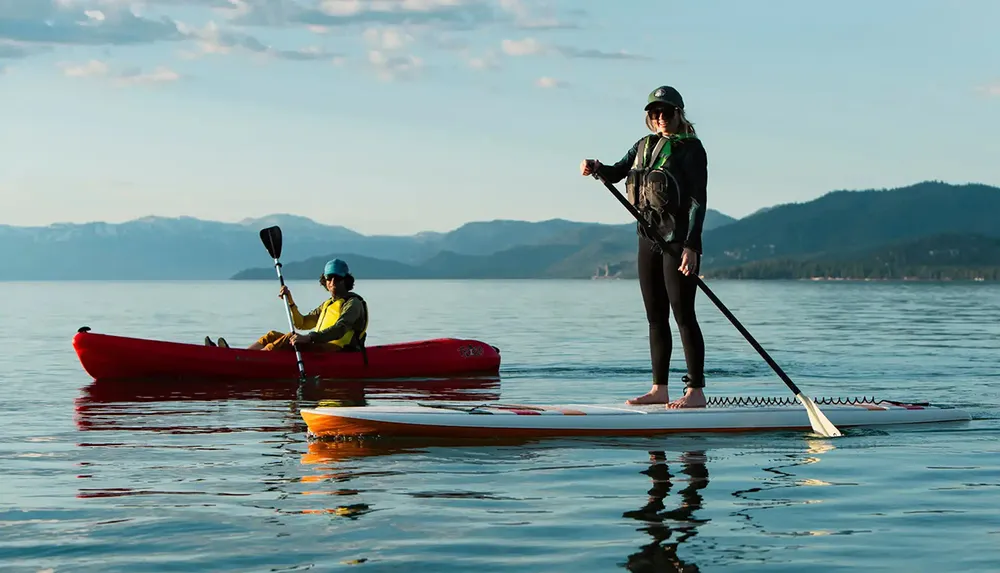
x,y
333,426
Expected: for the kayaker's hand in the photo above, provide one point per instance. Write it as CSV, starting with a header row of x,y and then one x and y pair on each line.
x,y
589,166
283,292
300,338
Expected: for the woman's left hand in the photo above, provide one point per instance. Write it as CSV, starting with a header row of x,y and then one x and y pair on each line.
x,y
689,262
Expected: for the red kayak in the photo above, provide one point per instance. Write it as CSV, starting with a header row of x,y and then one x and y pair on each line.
x,y
105,356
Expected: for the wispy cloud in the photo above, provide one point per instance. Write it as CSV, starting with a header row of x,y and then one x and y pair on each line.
x,y
991,90
69,22
89,69
525,18
392,67
212,40
387,38
228,4
394,32
550,83
532,47
488,61
14,50
322,14
126,77
332,13
134,76
599,55
525,47
387,52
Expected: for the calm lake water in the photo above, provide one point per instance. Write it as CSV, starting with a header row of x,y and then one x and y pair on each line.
x,y
153,478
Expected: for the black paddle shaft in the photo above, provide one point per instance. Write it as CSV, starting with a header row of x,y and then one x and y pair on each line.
x,y
271,237
708,292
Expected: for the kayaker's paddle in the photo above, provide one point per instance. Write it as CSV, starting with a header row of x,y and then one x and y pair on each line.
x,y
820,423
271,237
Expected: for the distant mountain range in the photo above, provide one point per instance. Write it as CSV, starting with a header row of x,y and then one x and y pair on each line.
x,y
837,234
843,221
826,236
158,248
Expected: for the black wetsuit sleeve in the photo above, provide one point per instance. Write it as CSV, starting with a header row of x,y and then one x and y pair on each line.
x,y
696,175
618,171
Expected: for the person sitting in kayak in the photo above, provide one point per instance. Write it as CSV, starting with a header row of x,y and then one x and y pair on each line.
x,y
340,323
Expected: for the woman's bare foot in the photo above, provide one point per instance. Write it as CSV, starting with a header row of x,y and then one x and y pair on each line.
x,y
658,395
692,398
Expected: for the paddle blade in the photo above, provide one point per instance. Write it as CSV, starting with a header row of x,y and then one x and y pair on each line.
x,y
271,237
820,423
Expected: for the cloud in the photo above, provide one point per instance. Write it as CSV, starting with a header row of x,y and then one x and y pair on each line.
x,y
525,47
524,18
212,40
599,55
127,77
532,47
134,76
489,61
322,14
393,67
388,38
330,13
385,55
991,90
91,68
229,4
68,22
550,83
390,30
14,50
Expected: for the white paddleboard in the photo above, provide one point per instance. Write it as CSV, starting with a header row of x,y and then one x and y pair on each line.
x,y
540,420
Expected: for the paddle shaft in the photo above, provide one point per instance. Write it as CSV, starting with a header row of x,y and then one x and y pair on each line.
x,y
708,292
291,323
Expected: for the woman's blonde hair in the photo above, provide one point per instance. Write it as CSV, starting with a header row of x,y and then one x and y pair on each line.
x,y
685,125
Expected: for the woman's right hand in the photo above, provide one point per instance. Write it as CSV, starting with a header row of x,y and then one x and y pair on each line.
x,y
284,291
589,167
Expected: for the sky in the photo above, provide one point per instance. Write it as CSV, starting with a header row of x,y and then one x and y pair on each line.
x,y
400,116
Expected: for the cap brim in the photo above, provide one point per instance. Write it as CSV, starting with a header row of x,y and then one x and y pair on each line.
x,y
660,103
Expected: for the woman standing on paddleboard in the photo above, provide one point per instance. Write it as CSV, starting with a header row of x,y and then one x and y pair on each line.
x,y
667,180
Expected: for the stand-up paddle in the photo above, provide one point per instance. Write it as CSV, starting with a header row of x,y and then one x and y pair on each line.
x,y
271,237
820,424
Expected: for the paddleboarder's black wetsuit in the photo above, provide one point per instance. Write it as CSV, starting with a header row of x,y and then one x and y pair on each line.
x,y
664,288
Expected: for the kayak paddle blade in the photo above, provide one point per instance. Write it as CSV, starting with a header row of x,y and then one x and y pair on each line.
x,y
820,423
271,237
